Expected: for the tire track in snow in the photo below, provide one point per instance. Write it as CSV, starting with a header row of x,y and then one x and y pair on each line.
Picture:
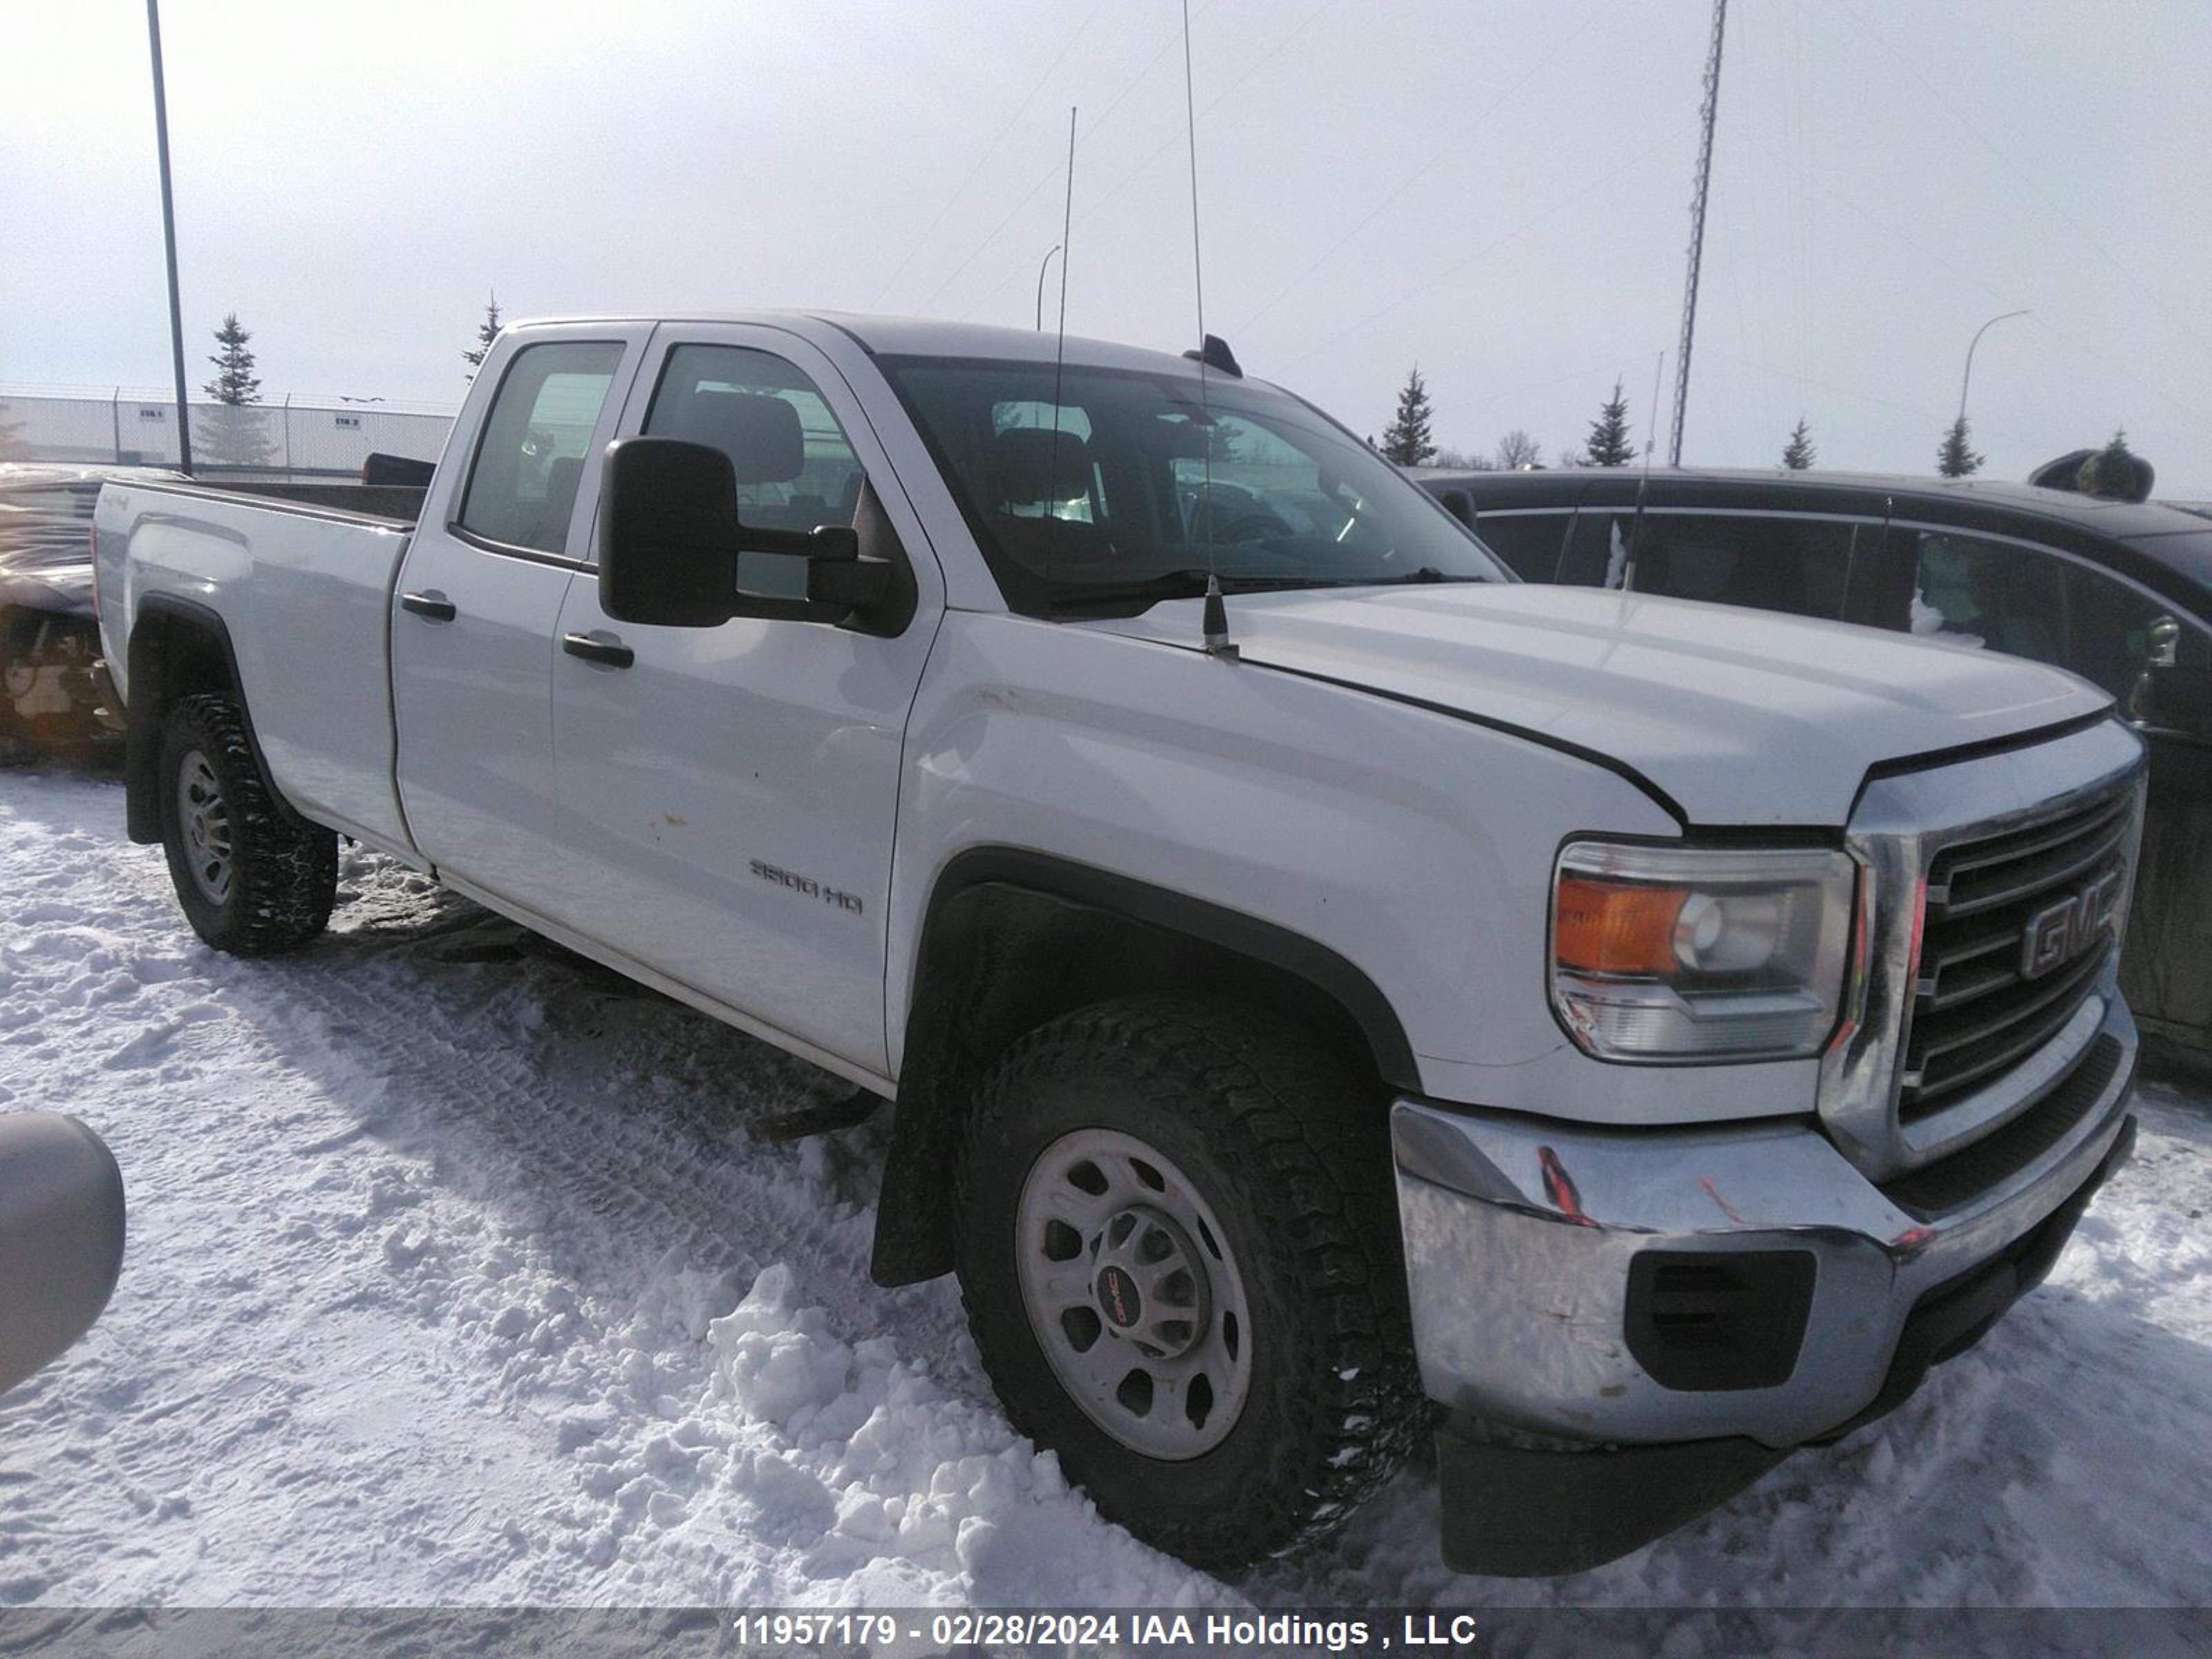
x,y
556,1190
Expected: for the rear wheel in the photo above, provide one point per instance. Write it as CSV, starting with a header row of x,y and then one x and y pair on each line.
x,y
252,879
1180,1261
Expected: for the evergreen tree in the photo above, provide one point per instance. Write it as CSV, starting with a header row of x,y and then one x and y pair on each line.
x,y
487,331
235,382
232,433
1609,443
1799,454
1516,450
2116,471
1953,458
1405,440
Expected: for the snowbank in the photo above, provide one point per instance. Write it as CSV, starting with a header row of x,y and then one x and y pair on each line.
x,y
456,1276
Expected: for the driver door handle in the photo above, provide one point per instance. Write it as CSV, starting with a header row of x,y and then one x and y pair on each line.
x,y
605,650
432,606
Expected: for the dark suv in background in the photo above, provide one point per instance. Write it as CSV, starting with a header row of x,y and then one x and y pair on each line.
x,y
2119,592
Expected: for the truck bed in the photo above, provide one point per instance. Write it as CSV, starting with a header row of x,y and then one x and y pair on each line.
x,y
394,504
301,577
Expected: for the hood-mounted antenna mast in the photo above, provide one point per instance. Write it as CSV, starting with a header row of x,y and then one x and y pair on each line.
x,y
1211,354
1059,352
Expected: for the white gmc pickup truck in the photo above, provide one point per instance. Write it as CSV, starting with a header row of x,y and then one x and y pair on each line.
x,y
1633,1038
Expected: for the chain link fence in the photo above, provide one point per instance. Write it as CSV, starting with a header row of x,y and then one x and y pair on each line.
x,y
297,438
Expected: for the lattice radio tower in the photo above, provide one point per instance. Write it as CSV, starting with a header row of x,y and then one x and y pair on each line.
x,y
1697,232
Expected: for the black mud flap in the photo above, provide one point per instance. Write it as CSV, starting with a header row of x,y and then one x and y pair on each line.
x,y
1516,1513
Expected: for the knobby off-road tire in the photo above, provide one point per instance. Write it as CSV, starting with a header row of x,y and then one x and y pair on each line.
x,y
252,879
1136,1147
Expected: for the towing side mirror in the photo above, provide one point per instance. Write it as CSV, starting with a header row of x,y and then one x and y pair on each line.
x,y
673,553
61,1237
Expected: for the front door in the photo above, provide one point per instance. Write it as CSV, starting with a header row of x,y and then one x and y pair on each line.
x,y
728,794
2155,659
472,624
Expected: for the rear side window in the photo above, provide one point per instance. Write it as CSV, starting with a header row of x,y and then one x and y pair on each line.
x,y
524,484
1799,566
2009,598
1531,543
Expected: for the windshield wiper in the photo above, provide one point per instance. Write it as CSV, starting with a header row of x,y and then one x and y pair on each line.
x,y
1427,573
1186,583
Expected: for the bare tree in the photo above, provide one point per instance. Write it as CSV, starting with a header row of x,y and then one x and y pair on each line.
x,y
1517,452
1462,460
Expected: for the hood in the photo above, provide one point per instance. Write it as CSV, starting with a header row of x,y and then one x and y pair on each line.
x,y
1740,717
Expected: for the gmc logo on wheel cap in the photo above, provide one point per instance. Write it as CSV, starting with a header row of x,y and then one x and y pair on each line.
x,y
2061,931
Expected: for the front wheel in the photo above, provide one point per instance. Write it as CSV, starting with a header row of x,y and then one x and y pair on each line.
x,y
1180,1263
252,879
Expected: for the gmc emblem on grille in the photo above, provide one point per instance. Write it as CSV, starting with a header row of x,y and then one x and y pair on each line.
x,y
2061,931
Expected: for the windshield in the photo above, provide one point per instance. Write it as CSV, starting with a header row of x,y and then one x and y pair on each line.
x,y
1124,492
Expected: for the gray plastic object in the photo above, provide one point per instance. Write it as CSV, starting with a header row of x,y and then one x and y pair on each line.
x,y
61,1237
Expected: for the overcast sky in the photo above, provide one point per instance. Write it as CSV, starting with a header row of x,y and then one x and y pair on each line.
x,y
1498,193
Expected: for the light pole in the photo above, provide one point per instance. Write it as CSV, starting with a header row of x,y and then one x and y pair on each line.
x,y
1967,379
169,238
1043,265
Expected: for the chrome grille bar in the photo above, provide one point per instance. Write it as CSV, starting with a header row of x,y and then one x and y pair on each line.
x,y
1949,1031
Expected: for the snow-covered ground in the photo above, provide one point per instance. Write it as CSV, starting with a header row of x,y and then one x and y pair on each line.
x,y
456,1275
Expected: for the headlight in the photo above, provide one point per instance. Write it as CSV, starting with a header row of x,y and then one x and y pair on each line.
x,y
1681,953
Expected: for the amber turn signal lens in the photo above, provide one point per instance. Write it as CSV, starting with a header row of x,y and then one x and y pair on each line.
x,y
1616,928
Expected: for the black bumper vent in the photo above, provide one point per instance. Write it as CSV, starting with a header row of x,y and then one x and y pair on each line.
x,y
1704,1320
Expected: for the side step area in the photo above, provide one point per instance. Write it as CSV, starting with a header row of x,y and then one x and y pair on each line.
x,y
821,1119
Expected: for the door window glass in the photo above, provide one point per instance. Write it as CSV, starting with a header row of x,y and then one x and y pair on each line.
x,y
795,467
1801,565
2118,635
1992,593
523,485
2119,631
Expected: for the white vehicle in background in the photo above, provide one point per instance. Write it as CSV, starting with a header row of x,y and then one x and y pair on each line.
x,y
1653,1034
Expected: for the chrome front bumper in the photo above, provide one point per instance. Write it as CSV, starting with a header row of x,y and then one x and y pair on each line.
x,y
1520,1231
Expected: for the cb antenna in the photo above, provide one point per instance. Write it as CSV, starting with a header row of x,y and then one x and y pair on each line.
x,y
1215,623
1644,483
1060,346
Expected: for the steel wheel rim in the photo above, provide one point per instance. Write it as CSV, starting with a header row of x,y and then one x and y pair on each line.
x,y
203,819
1134,1294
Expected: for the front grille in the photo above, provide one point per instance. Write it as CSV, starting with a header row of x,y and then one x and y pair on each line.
x,y
1976,1012
1951,1182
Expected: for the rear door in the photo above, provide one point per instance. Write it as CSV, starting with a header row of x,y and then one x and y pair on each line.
x,y
728,794
479,593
